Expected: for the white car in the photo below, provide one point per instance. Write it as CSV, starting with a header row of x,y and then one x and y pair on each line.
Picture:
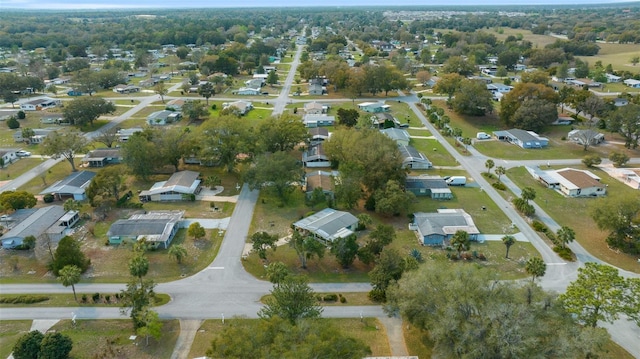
x,y
23,153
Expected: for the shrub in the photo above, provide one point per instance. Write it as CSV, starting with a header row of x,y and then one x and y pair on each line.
x,y
482,257
107,298
539,226
378,295
13,123
343,299
466,256
24,299
21,115
319,298
499,186
84,298
564,252
330,297
96,297
48,198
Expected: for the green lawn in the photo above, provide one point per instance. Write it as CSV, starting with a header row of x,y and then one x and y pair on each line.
x,y
434,150
14,170
59,171
575,213
423,132
618,55
10,332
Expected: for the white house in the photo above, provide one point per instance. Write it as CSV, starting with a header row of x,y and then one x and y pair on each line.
x,y
164,117
39,104
248,91
318,120
585,136
613,78
632,83
243,107
72,186
181,186
374,107
570,182
328,224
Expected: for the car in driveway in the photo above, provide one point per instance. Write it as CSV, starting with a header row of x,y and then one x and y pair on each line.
x,y
23,153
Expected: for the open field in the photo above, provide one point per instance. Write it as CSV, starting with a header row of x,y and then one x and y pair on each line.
x,y
576,214
618,55
540,40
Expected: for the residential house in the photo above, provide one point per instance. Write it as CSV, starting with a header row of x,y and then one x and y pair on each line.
x,y
164,117
247,91
175,104
123,134
522,138
157,228
436,229
39,104
413,159
613,78
563,120
318,120
632,83
432,186
630,177
315,157
72,186
586,136
52,118
316,87
242,107
318,135
314,108
39,134
8,156
570,182
384,120
374,107
401,137
432,81
148,82
52,221
320,179
125,89
102,156
254,83
181,186
328,224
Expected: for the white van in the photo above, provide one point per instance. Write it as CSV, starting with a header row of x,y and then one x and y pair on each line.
x,y
482,136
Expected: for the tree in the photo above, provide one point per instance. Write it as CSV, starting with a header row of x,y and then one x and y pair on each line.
x,y
13,123
27,134
14,200
345,249
196,230
221,141
528,194
534,115
139,266
618,215
306,247
472,98
464,311
291,299
591,160
178,252
618,158
28,345
161,89
535,95
392,199
66,145
83,110
207,90
535,267
593,106
379,238
107,184
195,110
460,241
626,121
565,235
448,84
599,294
137,296
277,272
458,65
262,241
278,171
69,275
69,253
500,171
348,117
151,324
281,133
29,242
107,136
508,241
272,78
55,346
139,155
10,97
489,164
87,81
389,268
634,60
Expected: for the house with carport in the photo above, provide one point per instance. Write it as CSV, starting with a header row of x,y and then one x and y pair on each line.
x,y
522,138
436,229
164,117
401,137
318,120
434,187
8,156
374,107
328,224
413,159
51,222
101,157
158,228
315,157
318,135
570,182
71,187
181,186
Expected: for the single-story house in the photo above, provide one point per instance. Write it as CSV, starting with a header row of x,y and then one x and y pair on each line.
x,y
243,107
318,135
73,186
586,136
374,107
431,82
401,137
432,186
8,156
316,87
413,159
314,108
436,229
563,120
125,89
180,186
39,104
522,138
175,104
328,224
102,156
570,182
248,91
39,134
632,83
52,221
148,82
319,179
384,120
52,118
612,78
123,134
254,83
629,177
318,120
315,157
161,118
156,227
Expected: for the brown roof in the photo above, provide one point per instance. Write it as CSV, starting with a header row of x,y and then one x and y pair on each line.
x,y
318,131
580,179
319,179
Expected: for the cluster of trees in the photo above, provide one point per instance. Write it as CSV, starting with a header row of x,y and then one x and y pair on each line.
x,y
529,106
13,200
471,96
618,216
12,86
35,345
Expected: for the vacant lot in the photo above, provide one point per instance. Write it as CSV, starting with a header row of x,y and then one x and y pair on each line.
x,y
618,55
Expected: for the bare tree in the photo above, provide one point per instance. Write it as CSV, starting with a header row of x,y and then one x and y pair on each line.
x,y
107,136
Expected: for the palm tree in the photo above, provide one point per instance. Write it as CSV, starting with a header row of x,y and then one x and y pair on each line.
x,y
460,241
565,235
536,267
528,194
70,276
178,252
500,171
508,241
489,165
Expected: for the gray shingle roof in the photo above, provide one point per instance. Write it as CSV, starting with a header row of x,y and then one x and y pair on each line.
x,y
74,183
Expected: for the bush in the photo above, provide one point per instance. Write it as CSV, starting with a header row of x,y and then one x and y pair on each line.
x,y
84,298
21,115
96,297
482,257
564,253
13,123
48,198
499,186
330,297
343,299
377,295
539,226
24,299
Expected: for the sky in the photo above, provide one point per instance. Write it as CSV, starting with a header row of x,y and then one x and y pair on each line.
x,y
154,4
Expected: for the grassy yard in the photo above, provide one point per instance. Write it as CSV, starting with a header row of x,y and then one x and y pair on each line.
x,y
618,55
14,170
434,150
423,132
67,300
366,330
10,332
576,214
59,171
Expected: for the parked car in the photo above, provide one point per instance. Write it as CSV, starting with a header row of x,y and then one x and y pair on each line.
x,y
23,153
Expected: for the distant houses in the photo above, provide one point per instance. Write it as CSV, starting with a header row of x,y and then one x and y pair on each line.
x,y
39,104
